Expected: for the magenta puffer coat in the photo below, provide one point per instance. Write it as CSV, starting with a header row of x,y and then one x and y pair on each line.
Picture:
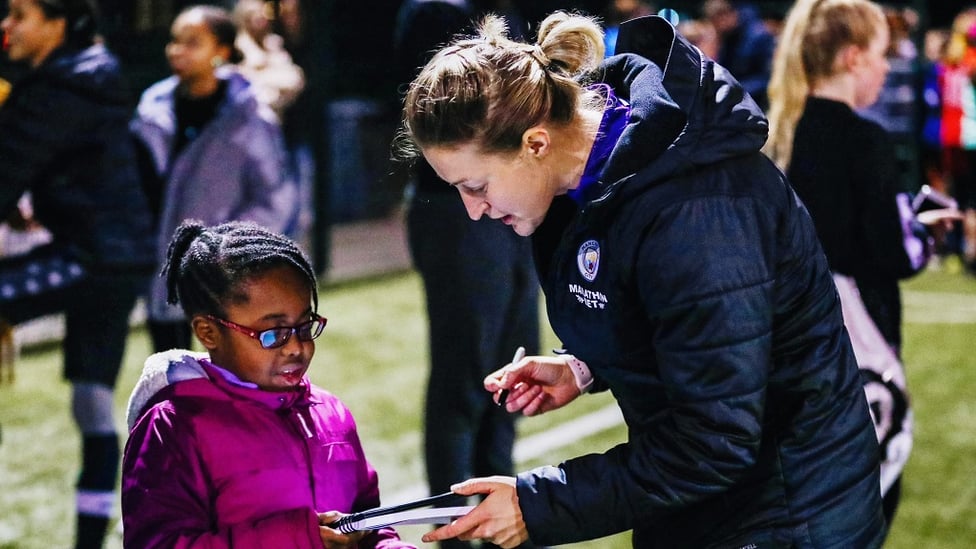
x,y
213,464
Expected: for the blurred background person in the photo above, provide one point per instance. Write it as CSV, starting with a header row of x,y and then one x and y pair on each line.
x,y
479,282
275,79
209,151
897,107
64,138
830,62
616,13
931,161
745,44
278,82
700,33
959,130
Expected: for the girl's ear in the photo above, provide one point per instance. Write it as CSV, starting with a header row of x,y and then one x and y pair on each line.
x,y
849,58
207,331
226,52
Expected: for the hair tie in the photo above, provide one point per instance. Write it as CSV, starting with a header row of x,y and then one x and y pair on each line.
x,y
540,57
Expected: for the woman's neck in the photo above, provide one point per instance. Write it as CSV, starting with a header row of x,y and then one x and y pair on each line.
x,y
841,88
202,87
580,138
39,58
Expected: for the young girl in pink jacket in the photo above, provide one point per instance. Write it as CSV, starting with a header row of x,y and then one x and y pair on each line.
x,y
235,447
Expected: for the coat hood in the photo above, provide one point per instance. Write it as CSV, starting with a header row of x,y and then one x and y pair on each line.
x,y
155,107
92,72
162,371
686,110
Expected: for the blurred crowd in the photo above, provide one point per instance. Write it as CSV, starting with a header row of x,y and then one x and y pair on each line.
x,y
343,90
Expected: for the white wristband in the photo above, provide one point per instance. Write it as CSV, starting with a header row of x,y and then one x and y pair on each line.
x,y
581,373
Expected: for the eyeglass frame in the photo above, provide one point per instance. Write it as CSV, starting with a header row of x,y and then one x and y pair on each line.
x,y
256,334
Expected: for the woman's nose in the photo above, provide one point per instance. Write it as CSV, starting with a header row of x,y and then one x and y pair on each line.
x,y
475,206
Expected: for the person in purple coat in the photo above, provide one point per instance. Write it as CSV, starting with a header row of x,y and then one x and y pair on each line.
x,y
208,150
236,447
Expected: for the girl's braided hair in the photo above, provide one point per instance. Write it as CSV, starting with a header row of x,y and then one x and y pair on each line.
x,y
206,267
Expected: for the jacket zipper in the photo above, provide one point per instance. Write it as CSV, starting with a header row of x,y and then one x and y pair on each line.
x,y
301,419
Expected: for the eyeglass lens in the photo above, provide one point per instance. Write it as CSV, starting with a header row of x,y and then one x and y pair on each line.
x,y
306,331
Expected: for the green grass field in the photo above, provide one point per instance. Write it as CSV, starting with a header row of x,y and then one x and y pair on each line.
x,y
373,355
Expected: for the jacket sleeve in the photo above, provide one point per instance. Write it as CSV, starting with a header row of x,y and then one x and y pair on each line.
x,y
166,497
703,272
881,235
270,194
35,127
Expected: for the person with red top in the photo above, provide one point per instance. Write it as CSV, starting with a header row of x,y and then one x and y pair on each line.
x,y
958,128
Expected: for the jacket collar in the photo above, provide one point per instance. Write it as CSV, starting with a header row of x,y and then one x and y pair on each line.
x,y
687,111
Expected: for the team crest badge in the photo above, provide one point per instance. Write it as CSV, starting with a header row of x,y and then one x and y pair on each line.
x,y
588,259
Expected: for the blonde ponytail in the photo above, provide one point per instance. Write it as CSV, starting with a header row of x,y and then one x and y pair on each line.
x,y
815,31
788,86
574,43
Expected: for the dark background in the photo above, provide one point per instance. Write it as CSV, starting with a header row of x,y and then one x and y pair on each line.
x,y
345,48
348,42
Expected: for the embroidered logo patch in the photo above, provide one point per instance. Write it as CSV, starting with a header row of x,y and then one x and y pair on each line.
x,y
588,259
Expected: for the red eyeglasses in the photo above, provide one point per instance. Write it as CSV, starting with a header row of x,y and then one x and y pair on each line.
x,y
276,337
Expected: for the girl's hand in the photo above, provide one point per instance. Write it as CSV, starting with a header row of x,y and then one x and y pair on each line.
x,y
497,519
536,384
334,539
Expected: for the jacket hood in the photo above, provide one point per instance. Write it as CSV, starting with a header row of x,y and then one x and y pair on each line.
x,y
686,110
159,371
156,104
93,72
163,371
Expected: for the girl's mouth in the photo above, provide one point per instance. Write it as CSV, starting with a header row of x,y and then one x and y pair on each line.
x,y
292,375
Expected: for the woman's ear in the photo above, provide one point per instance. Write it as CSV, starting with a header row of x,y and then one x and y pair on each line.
x,y
536,141
223,56
207,331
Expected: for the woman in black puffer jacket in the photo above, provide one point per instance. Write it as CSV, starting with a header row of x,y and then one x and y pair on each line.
x,y
680,271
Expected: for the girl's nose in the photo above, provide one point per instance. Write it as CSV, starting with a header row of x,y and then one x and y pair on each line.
x,y
292,347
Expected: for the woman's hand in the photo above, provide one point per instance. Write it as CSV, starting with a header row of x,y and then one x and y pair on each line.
x,y
497,519
536,384
334,539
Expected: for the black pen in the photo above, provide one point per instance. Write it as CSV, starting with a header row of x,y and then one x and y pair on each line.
x,y
519,355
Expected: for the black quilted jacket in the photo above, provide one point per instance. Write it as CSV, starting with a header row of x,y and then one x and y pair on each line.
x,y
694,286
64,136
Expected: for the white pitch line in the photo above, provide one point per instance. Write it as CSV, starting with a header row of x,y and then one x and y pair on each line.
x,y
939,307
565,433
538,444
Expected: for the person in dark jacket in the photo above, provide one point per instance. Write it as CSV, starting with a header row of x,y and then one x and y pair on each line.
x,y
64,138
680,271
471,330
832,62
745,44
